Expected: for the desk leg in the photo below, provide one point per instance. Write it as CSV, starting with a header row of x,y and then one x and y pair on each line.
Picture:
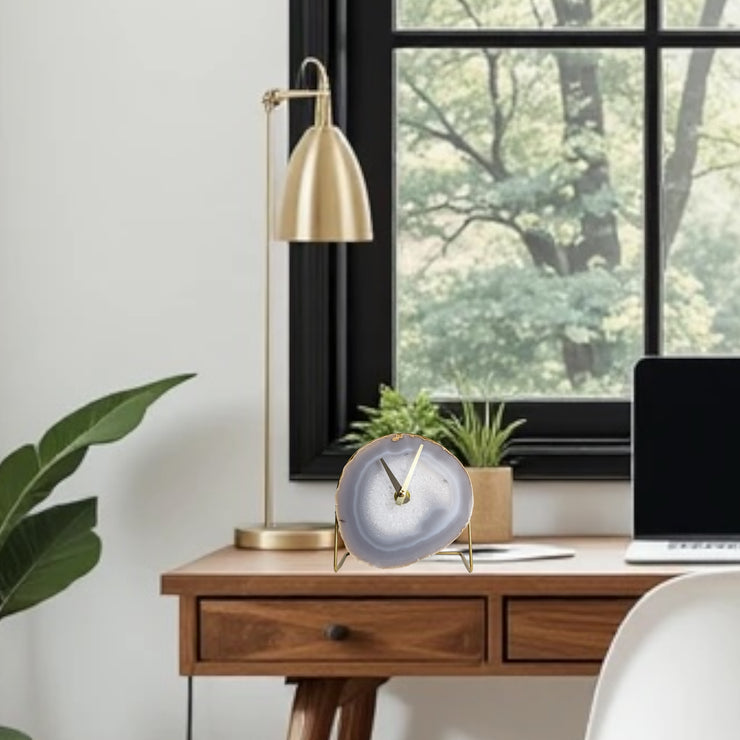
x,y
316,702
358,708
314,706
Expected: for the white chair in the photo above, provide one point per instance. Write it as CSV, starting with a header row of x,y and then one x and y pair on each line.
x,y
672,671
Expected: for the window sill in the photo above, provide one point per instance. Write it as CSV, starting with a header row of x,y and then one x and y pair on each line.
x,y
562,459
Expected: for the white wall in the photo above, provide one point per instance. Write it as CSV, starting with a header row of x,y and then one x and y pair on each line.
x,y
131,247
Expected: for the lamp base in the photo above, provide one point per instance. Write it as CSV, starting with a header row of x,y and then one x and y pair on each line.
x,y
292,536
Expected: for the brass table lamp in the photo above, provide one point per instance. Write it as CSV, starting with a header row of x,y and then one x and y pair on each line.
x,y
324,200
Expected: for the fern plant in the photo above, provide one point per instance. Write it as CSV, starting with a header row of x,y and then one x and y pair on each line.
x,y
395,414
481,441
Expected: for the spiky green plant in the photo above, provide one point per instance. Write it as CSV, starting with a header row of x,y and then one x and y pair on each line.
x,y
480,441
395,414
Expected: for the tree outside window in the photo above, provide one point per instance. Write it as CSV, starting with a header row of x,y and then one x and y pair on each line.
x,y
520,217
554,186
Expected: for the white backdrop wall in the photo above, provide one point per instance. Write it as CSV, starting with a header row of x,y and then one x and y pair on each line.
x,y
131,247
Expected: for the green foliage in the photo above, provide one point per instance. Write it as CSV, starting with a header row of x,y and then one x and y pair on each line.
x,y
46,552
509,322
506,183
7,734
703,284
487,14
43,553
395,414
473,287
481,442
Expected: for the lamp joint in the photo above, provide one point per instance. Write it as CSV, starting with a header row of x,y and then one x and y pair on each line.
x,y
272,99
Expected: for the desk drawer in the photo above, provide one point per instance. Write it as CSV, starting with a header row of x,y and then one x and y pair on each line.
x,y
368,630
561,629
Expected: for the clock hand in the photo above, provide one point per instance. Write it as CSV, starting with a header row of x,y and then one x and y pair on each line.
x,y
394,480
403,495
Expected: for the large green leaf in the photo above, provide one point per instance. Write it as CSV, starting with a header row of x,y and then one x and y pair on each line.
x,y
46,552
6,733
28,475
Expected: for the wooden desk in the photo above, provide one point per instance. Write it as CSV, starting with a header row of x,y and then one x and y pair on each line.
x,y
340,635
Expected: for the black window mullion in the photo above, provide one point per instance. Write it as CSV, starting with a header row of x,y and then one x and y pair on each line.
x,y
370,129
546,38
653,278
317,313
341,313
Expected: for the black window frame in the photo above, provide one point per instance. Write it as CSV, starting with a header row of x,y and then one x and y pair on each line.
x,y
341,296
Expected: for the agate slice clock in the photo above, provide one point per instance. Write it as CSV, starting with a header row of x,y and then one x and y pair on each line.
x,y
401,498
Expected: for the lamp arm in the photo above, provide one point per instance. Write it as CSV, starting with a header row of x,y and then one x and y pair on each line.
x,y
322,94
273,98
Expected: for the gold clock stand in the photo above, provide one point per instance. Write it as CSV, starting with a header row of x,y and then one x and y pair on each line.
x,y
467,563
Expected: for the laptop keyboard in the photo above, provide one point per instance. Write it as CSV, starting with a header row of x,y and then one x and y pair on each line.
x,y
683,551
705,545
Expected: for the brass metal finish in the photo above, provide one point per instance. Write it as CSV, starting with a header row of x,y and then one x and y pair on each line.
x,y
325,197
398,496
325,200
298,536
467,563
336,546
403,496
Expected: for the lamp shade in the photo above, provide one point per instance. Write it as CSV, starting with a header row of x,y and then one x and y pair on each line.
x,y
325,197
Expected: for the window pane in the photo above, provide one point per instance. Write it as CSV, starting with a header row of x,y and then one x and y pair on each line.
x,y
447,14
701,13
701,192
519,225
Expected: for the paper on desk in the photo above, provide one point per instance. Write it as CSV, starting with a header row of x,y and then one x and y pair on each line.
x,y
503,553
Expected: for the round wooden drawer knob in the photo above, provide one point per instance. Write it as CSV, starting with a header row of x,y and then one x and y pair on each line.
x,y
336,632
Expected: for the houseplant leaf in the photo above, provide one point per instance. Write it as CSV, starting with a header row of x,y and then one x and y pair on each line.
x,y
105,420
481,442
6,733
46,552
28,475
396,414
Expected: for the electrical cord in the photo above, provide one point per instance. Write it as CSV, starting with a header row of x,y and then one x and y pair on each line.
x,y
189,722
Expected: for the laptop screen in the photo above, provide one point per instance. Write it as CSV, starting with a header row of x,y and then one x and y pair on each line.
x,y
686,447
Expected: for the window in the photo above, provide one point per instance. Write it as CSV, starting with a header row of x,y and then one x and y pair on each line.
x,y
553,186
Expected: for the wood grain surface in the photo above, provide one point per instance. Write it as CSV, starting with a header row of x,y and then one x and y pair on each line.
x,y
248,612
370,630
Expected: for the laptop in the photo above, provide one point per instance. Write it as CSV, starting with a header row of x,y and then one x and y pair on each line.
x,y
686,460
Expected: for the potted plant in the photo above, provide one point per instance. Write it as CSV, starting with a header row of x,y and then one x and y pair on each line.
x,y
396,414
43,552
482,444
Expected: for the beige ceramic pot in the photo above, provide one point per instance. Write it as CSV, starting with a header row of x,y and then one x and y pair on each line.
x,y
492,492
